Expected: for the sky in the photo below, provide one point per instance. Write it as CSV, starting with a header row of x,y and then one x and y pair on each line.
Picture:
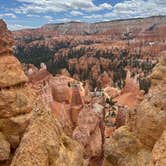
x,y
20,14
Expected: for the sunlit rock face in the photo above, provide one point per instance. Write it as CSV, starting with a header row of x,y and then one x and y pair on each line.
x,y
89,132
10,69
158,74
30,132
130,95
142,140
84,124
16,98
50,121
153,122
45,143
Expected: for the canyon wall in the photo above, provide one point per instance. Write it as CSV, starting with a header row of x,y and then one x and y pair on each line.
x,y
50,121
81,28
30,134
142,140
108,48
16,98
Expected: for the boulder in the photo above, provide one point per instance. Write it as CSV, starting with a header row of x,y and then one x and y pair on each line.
x,y
11,72
15,101
151,117
159,71
14,127
124,149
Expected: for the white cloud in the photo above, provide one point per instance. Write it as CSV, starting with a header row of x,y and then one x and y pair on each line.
x,y
94,16
105,6
61,20
9,15
44,6
33,15
135,8
160,2
14,27
88,11
130,9
76,13
49,19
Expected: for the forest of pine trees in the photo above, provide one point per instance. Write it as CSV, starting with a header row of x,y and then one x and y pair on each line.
x,y
38,54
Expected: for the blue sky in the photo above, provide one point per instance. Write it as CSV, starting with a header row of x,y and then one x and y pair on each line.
x,y
34,13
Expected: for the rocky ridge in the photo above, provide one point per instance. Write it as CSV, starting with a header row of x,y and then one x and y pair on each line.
x,y
103,47
29,130
81,28
16,98
142,140
49,121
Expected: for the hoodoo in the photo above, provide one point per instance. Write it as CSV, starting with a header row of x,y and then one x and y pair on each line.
x,y
83,94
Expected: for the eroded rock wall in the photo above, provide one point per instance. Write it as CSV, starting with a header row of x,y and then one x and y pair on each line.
x,y
45,144
30,132
142,141
16,98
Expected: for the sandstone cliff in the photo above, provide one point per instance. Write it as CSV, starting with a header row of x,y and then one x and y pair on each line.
x,y
142,140
30,132
16,98
45,144
81,28
56,121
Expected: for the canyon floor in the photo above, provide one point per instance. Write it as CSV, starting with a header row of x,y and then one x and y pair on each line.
x,y
78,94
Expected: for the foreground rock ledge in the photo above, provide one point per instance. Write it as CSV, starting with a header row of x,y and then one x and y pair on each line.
x,y
16,98
45,144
